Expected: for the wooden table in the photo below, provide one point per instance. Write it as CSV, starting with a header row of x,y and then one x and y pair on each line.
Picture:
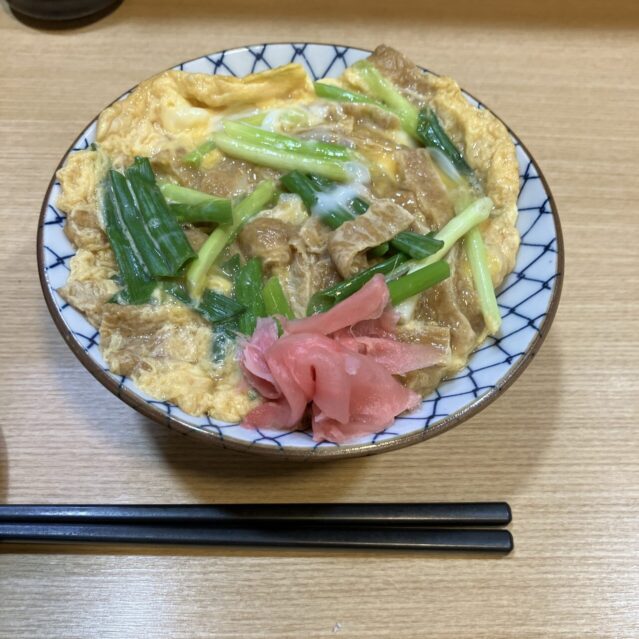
x,y
560,445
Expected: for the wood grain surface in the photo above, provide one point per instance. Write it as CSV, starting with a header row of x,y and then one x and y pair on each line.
x,y
561,445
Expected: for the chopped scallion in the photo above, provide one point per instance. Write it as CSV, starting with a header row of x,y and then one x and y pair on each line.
x,y
213,212
280,159
331,92
418,281
275,301
248,292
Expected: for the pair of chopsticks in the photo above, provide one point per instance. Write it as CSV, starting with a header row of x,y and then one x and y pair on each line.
x,y
407,526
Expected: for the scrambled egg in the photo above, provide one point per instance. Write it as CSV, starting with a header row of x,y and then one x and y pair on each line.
x,y
178,110
166,349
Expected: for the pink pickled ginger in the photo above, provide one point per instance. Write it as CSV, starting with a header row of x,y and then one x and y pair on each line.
x,y
366,304
340,362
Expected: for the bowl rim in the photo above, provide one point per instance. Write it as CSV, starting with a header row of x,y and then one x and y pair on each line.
x,y
299,453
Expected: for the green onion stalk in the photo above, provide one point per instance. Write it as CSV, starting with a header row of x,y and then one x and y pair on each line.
x,y
332,92
147,240
213,306
224,235
312,148
281,159
249,293
195,157
275,300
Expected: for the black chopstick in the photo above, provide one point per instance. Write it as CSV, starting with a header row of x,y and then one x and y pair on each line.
x,y
354,537
368,514
408,526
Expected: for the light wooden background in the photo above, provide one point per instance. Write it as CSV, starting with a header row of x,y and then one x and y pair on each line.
x,y
560,445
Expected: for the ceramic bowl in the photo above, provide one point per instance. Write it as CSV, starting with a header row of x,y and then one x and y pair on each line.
x,y
528,298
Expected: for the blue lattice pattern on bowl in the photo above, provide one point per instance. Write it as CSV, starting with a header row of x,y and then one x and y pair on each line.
x,y
527,298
